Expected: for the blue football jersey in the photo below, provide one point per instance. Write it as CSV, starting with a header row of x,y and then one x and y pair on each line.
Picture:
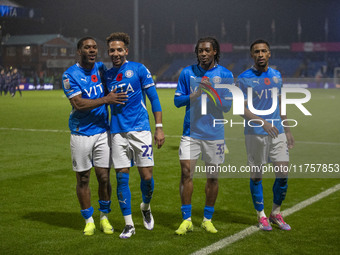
x,y
132,78
195,124
88,83
262,84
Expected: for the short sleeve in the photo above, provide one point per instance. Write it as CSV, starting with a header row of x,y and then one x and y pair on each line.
x,y
70,87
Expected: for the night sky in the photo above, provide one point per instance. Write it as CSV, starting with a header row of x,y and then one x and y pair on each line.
x,y
174,21
101,17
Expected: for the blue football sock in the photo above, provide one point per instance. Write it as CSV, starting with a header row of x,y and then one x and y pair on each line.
x,y
208,212
124,193
186,211
104,206
147,190
279,190
87,213
256,190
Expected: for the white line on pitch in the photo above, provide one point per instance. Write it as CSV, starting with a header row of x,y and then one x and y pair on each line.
x,y
251,230
36,130
242,139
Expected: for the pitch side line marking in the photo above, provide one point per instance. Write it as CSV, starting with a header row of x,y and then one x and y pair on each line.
x,y
171,136
36,130
240,139
251,230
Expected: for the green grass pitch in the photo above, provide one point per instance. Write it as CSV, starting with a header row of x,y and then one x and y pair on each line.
x,y
39,211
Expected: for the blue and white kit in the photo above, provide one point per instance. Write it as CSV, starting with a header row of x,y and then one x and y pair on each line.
x,y
88,83
262,84
195,124
136,80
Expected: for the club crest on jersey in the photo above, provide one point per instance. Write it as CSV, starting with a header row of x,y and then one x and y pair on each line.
x,y
275,79
217,79
94,78
67,84
128,73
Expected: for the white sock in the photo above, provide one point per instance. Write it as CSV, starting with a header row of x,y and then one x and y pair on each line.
x,y
128,220
276,209
261,214
89,220
103,216
189,219
205,219
145,207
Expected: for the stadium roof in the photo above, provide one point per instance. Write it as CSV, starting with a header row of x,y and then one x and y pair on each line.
x,y
47,39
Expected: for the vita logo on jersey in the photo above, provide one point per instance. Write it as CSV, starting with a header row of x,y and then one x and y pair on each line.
x,y
267,93
119,77
96,88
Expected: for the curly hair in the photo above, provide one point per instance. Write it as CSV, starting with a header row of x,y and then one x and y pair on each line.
x,y
119,36
215,45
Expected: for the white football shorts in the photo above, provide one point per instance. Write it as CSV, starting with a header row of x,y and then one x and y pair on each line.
x,y
263,149
90,151
132,148
212,151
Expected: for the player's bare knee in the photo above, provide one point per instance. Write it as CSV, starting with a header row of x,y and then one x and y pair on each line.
x,y
256,179
186,179
83,179
83,182
212,181
146,177
146,173
104,180
186,174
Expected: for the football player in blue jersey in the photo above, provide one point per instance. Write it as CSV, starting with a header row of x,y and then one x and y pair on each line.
x,y
89,125
265,137
200,136
131,139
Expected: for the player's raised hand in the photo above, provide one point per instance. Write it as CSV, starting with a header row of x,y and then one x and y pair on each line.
x,y
205,81
196,94
116,98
